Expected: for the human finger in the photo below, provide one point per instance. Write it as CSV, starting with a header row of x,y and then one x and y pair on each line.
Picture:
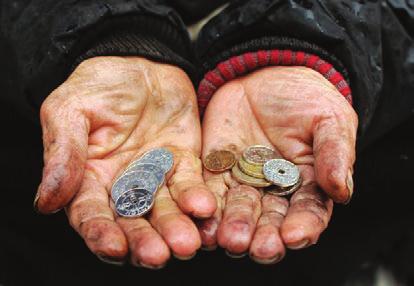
x,y
267,246
241,212
334,152
187,186
176,228
91,216
147,248
65,142
308,215
208,227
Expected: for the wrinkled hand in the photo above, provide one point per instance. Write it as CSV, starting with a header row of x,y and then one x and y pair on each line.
x,y
303,116
110,111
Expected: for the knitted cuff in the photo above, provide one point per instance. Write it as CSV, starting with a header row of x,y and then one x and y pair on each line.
x,y
240,65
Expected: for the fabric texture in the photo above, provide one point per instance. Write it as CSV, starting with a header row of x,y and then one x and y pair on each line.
x,y
240,65
369,42
48,38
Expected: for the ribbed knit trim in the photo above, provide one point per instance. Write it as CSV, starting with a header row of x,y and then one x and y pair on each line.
x,y
240,65
215,56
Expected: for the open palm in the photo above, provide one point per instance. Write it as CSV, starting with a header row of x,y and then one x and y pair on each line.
x,y
304,118
110,111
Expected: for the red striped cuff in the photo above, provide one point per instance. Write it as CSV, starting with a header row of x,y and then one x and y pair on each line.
x,y
248,62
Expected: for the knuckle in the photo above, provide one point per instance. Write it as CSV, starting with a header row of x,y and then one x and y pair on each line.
x,y
56,105
46,109
275,204
94,229
354,118
243,192
272,200
312,207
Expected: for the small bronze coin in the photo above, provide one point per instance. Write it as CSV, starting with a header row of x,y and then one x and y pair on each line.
x,y
258,154
242,178
281,192
219,161
250,169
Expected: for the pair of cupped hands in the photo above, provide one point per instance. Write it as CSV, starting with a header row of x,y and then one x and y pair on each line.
x,y
111,110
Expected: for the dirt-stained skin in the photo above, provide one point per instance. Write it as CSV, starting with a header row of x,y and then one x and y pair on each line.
x,y
108,112
303,117
112,109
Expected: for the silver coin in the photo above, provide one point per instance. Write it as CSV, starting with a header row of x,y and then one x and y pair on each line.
x,y
160,157
134,203
280,192
132,180
281,172
155,169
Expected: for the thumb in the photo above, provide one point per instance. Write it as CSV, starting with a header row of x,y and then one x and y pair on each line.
x,y
334,151
65,142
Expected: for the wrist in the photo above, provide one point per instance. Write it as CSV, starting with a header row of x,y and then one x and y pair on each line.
x,y
242,64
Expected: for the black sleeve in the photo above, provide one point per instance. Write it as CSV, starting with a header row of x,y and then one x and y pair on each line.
x,y
195,10
359,38
49,37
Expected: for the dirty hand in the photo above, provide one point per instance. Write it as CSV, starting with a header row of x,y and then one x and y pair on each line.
x,y
107,113
306,120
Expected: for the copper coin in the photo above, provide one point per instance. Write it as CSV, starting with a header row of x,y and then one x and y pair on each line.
x,y
219,161
250,169
258,154
242,178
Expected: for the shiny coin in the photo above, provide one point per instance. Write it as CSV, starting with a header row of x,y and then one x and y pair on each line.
x,y
132,180
258,155
278,191
242,178
160,157
281,172
147,167
134,203
219,161
250,169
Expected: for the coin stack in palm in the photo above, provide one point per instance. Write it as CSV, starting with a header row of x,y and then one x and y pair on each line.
x,y
134,191
259,167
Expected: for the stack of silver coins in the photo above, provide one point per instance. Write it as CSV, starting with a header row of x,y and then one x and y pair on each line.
x,y
284,175
260,166
134,191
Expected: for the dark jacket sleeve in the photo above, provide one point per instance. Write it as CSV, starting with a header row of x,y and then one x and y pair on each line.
x,y
360,39
49,38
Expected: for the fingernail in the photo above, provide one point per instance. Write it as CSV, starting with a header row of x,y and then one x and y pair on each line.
x,y
209,248
301,244
110,260
185,257
350,186
152,267
235,255
35,201
272,260
36,207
